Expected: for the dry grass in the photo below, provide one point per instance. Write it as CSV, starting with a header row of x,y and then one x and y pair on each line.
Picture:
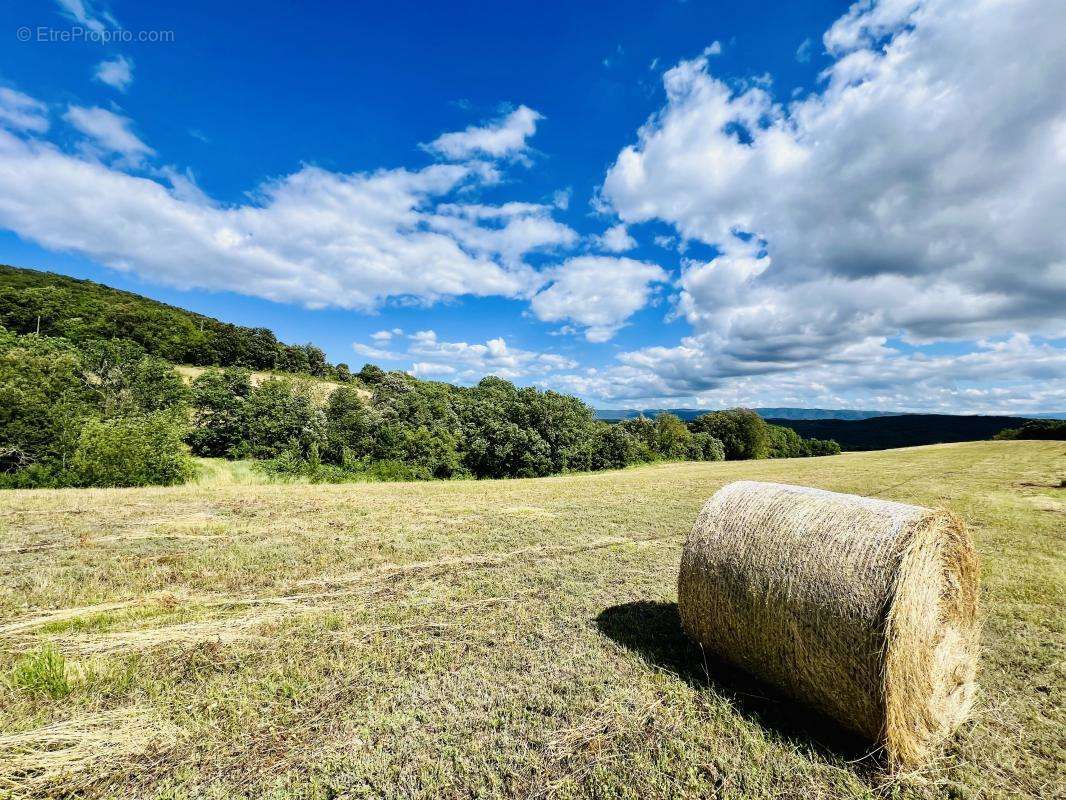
x,y
490,639
863,608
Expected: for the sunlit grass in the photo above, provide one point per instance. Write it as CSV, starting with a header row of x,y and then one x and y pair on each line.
x,y
237,638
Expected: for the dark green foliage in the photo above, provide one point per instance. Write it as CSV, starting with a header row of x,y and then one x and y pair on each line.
x,y
280,415
822,447
45,399
136,450
233,419
103,406
645,434
902,430
786,443
743,433
220,413
614,447
1036,429
82,311
705,447
673,440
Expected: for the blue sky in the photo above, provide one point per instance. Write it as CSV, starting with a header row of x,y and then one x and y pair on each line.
x,y
681,203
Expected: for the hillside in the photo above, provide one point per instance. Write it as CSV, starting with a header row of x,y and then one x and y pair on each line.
x,y
498,639
81,311
907,430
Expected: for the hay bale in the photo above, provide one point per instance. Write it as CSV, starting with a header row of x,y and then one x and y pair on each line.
x,y
865,609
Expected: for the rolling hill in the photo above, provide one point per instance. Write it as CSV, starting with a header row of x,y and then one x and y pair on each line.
x,y
905,430
81,310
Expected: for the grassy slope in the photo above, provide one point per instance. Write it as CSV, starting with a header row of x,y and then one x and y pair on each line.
x,y
512,638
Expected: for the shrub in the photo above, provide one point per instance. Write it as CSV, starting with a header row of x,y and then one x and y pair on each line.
x,y
139,450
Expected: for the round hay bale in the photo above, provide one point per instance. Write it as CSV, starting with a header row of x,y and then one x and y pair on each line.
x,y
864,609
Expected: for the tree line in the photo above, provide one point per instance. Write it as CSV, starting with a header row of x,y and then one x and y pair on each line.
x,y
108,413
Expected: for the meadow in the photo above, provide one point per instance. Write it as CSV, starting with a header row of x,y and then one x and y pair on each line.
x,y
509,638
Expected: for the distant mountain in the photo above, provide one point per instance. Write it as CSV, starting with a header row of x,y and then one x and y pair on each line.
x,y
901,430
765,413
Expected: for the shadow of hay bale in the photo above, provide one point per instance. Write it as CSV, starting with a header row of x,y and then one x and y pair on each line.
x,y
653,629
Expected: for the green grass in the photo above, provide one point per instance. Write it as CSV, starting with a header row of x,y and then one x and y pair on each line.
x,y
477,639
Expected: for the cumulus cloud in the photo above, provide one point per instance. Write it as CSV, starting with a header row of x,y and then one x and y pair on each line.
x,y
385,336
503,137
431,357
916,196
599,293
115,72
314,237
22,113
616,239
109,133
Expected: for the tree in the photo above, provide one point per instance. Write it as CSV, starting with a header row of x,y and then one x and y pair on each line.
x,y
45,400
644,433
743,433
281,414
673,439
614,447
220,413
786,443
705,447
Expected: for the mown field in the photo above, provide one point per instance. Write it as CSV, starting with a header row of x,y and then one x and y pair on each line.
x,y
476,639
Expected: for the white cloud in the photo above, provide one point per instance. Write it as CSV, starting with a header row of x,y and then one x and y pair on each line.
x,y
20,112
110,133
616,239
1012,376
116,72
385,336
598,293
84,13
502,137
917,195
713,49
803,52
507,231
314,237
468,362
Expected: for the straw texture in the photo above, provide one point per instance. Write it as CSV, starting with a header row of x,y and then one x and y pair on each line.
x,y
865,609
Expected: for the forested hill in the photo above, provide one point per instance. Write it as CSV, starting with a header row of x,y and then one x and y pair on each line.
x,y
82,311
906,430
